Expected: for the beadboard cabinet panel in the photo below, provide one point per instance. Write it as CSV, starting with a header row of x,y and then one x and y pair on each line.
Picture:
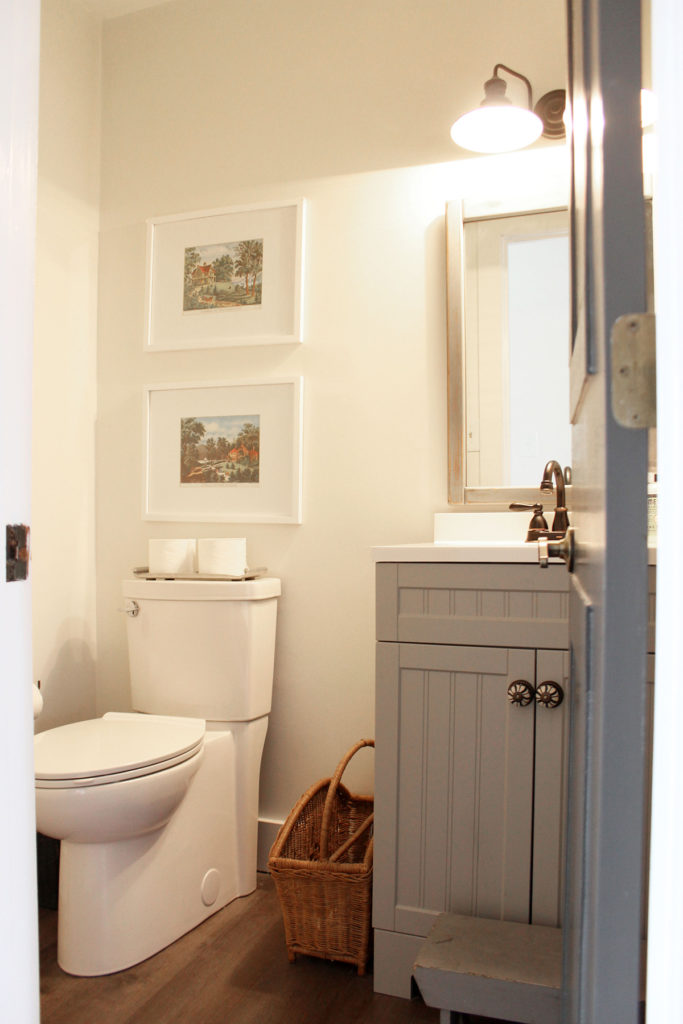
x,y
470,790
463,839
550,793
457,828
460,603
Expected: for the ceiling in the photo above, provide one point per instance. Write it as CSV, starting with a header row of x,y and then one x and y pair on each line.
x,y
114,8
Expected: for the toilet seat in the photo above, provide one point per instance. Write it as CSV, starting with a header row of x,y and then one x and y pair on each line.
x,y
114,748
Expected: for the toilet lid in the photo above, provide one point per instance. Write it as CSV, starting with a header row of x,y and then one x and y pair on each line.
x,y
117,745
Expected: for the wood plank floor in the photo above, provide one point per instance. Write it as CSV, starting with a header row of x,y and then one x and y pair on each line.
x,y
232,968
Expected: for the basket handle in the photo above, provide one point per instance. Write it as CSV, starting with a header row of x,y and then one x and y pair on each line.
x,y
332,791
341,850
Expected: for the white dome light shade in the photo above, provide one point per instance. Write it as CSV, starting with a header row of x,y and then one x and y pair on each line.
x,y
498,126
497,129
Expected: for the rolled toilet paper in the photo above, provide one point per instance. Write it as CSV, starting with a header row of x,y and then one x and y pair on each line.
x,y
222,556
37,701
172,557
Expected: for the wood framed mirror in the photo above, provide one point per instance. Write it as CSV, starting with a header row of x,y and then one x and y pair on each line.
x,y
508,352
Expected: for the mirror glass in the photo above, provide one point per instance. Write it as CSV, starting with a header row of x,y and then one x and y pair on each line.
x,y
508,350
516,294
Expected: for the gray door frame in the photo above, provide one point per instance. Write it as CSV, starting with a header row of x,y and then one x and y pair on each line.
x,y
608,606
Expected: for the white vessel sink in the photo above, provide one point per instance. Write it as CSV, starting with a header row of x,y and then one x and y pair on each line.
x,y
476,537
483,537
470,537
478,527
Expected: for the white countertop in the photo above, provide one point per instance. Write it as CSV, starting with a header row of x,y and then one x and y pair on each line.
x,y
465,551
471,551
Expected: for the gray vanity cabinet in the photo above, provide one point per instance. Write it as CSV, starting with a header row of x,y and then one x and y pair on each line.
x,y
469,787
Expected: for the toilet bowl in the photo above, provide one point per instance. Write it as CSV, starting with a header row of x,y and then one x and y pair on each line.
x,y
157,809
115,777
144,857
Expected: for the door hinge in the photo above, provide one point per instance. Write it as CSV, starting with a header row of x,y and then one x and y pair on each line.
x,y
634,383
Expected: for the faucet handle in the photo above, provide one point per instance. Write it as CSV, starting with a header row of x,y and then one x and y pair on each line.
x,y
538,525
522,506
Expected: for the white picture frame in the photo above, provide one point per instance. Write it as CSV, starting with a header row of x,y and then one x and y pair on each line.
x,y
224,452
225,277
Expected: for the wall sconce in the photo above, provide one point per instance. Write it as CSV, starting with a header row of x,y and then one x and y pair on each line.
x,y
499,126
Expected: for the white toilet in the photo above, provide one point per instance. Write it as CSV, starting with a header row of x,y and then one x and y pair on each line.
x,y
157,810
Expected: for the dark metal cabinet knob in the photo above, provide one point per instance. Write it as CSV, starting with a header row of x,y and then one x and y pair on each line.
x,y
520,692
549,694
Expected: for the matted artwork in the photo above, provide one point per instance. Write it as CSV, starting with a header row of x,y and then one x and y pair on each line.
x,y
220,449
224,452
225,277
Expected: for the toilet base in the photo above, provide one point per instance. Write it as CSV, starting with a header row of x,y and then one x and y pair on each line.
x,y
121,902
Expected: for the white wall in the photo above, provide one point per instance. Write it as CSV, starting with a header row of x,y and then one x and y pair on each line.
x,y
221,94
211,104
374,449
198,112
65,386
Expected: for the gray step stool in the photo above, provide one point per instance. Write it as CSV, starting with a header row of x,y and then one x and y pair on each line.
x,y
498,969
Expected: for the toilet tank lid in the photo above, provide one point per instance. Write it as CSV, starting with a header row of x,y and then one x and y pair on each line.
x,y
202,590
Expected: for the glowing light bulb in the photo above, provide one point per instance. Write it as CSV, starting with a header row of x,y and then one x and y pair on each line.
x,y
497,129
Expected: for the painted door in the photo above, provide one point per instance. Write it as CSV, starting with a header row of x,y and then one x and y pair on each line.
x,y
19,52
609,586
454,782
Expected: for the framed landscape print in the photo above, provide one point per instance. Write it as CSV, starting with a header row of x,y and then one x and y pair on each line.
x,y
225,277
224,452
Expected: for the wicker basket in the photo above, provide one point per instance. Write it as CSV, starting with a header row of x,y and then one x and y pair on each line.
x,y
321,862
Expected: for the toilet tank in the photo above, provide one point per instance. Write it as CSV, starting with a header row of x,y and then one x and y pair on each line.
x,y
203,648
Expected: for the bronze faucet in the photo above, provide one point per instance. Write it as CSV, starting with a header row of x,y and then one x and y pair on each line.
x,y
553,472
538,527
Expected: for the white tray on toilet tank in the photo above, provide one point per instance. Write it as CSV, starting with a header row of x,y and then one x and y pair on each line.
x,y
143,573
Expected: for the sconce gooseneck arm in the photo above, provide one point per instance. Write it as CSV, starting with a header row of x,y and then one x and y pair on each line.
x,y
522,78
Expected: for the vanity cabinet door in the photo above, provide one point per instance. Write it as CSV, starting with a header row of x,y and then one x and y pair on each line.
x,y
453,784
